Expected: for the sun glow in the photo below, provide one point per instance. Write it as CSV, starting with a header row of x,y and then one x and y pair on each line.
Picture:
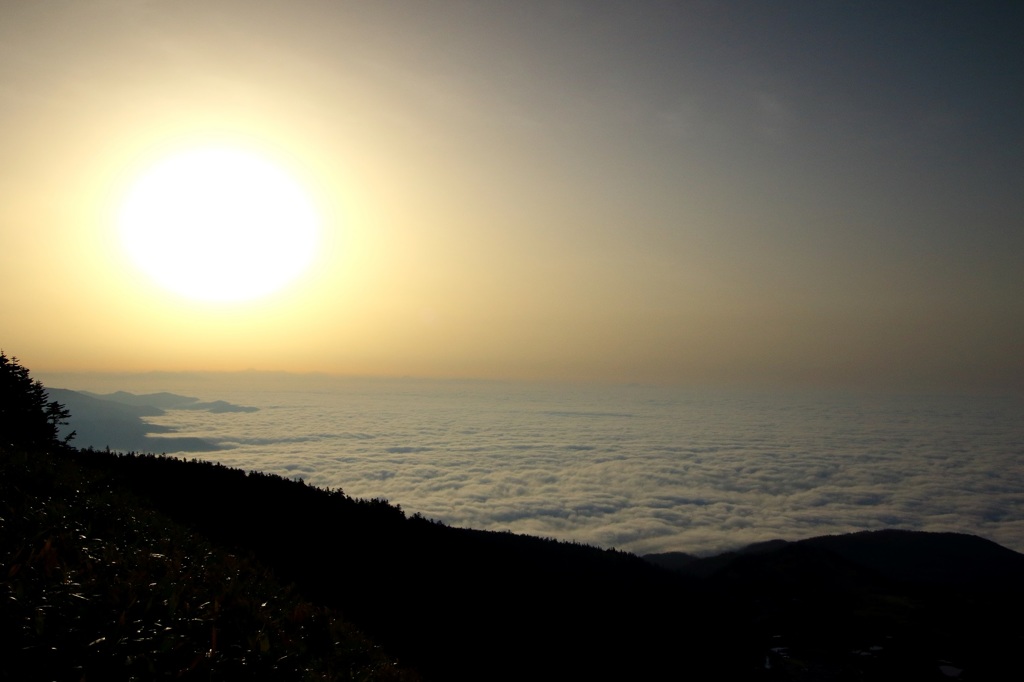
x,y
219,224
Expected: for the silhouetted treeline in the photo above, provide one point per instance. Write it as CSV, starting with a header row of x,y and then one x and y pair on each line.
x,y
28,417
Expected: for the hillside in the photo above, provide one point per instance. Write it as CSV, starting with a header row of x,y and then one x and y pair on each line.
x,y
452,602
99,585
887,604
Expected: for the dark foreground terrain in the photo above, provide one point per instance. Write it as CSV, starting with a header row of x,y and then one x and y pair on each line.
x,y
142,567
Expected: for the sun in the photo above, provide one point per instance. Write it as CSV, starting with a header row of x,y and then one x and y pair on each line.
x,y
219,224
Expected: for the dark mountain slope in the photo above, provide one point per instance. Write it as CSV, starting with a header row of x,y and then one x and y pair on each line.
x,y
889,604
944,559
97,585
456,603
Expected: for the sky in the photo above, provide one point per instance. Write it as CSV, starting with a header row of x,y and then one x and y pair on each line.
x,y
786,193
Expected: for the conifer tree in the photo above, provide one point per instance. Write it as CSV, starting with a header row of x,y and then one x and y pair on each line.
x,y
28,418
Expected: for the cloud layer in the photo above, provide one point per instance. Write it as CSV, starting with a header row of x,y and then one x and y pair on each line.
x,y
641,469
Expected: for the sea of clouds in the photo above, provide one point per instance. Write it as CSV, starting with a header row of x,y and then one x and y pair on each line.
x,y
638,468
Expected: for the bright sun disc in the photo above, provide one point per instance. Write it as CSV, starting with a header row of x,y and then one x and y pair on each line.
x,y
219,225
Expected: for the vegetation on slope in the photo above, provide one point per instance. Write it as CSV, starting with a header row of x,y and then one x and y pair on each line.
x,y
454,603
98,585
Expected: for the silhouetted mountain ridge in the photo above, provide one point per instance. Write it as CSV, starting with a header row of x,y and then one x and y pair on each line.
x,y
169,401
941,559
117,420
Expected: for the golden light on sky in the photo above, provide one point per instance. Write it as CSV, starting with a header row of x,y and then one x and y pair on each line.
x,y
628,192
218,224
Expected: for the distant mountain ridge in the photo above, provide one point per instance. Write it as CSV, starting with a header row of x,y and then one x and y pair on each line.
x,y
943,559
116,420
169,401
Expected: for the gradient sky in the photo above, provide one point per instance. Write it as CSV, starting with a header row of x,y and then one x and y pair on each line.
x,y
826,193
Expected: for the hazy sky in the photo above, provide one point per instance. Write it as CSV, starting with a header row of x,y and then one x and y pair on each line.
x,y
696,192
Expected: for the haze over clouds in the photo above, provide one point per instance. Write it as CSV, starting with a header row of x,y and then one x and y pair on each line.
x,y
695,193
637,468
